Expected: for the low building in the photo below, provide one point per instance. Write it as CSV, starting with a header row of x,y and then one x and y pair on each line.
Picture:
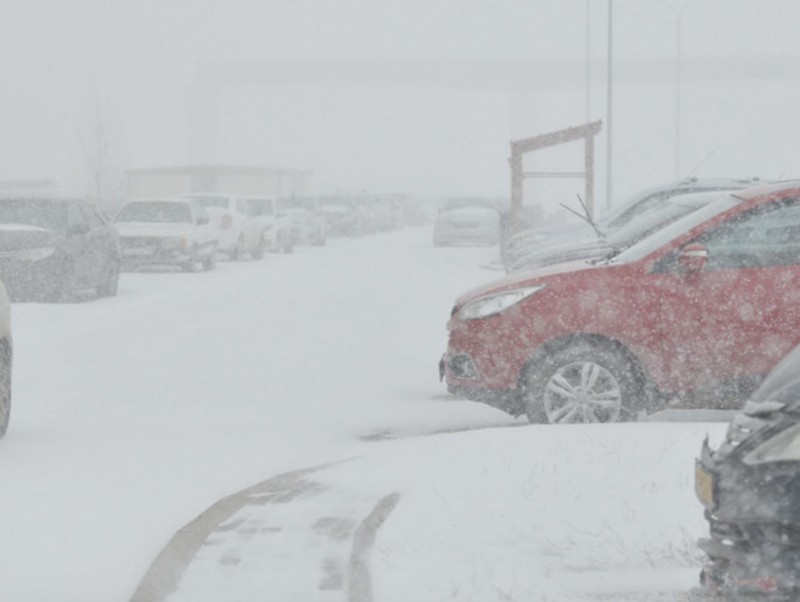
x,y
256,181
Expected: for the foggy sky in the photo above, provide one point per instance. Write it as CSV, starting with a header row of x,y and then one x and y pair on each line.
x,y
138,60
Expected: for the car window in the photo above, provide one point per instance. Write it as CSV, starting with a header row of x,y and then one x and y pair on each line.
x,y
451,204
657,240
767,236
34,212
76,215
91,216
212,201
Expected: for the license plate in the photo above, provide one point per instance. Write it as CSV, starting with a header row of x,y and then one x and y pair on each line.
x,y
704,486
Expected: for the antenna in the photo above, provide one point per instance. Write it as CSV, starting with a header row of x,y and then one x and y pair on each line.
x,y
703,162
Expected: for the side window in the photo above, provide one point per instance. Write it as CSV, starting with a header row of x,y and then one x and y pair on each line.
x,y
91,216
76,216
767,236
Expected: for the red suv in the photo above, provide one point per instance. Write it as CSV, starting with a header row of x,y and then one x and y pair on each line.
x,y
701,310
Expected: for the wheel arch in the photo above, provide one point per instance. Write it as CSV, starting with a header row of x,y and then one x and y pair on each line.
x,y
595,340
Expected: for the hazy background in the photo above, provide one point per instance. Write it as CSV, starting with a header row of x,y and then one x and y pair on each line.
x,y
134,66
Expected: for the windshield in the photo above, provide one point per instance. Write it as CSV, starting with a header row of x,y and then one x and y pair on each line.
x,y
261,206
212,202
647,245
451,204
34,212
163,212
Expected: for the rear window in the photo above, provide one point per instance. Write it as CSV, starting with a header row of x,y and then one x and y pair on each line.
x,y
41,213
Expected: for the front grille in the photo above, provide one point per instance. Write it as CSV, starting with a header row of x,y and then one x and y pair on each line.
x,y
138,242
461,366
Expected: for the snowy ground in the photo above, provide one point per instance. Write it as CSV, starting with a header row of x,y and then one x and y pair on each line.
x,y
133,415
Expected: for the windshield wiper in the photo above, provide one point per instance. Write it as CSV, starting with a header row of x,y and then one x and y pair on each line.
x,y
586,217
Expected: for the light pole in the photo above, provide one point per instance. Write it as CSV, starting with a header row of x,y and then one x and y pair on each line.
x,y
610,86
677,13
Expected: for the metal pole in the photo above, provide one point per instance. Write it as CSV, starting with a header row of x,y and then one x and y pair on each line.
x,y
609,108
678,96
588,66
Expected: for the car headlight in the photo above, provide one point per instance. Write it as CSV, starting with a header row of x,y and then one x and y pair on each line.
x,y
495,304
173,242
783,446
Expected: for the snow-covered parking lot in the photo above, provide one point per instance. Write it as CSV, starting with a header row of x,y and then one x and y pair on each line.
x,y
135,414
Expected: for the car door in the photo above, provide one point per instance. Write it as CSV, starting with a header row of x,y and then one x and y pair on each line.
x,y
250,228
102,242
740,315
79,245
206,232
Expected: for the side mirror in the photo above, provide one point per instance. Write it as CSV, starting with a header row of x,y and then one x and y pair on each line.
x,y
693,258
78,229
202,221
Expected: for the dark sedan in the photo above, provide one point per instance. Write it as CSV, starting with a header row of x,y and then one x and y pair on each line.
x,y
52,248
750,487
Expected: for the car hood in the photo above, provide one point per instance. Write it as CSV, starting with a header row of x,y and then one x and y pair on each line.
x,y
150,229
528,278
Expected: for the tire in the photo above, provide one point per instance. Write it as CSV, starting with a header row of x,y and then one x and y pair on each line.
x,y
189,264
260,250
109,283
581,383
66,286
238,251
210,262
5,387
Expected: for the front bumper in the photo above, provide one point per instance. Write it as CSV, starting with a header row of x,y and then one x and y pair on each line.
x,y
152,251
754,527
33,279
462,380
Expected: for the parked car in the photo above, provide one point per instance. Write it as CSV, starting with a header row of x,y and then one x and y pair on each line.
x,y
6,360
344,215
309,224
696,313
239,231
51,248
750,488
278,232
166,231
531,236
467,220
642,226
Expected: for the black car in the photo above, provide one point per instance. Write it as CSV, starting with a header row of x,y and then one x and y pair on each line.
x,y
51,248
750,487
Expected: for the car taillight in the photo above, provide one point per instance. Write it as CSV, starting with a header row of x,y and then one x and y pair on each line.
x,y
227,222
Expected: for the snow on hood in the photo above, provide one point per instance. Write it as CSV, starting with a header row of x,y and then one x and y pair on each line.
x,y
525,278
22,228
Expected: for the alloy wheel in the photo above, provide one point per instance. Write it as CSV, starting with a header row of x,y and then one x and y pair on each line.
x,y
582,392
